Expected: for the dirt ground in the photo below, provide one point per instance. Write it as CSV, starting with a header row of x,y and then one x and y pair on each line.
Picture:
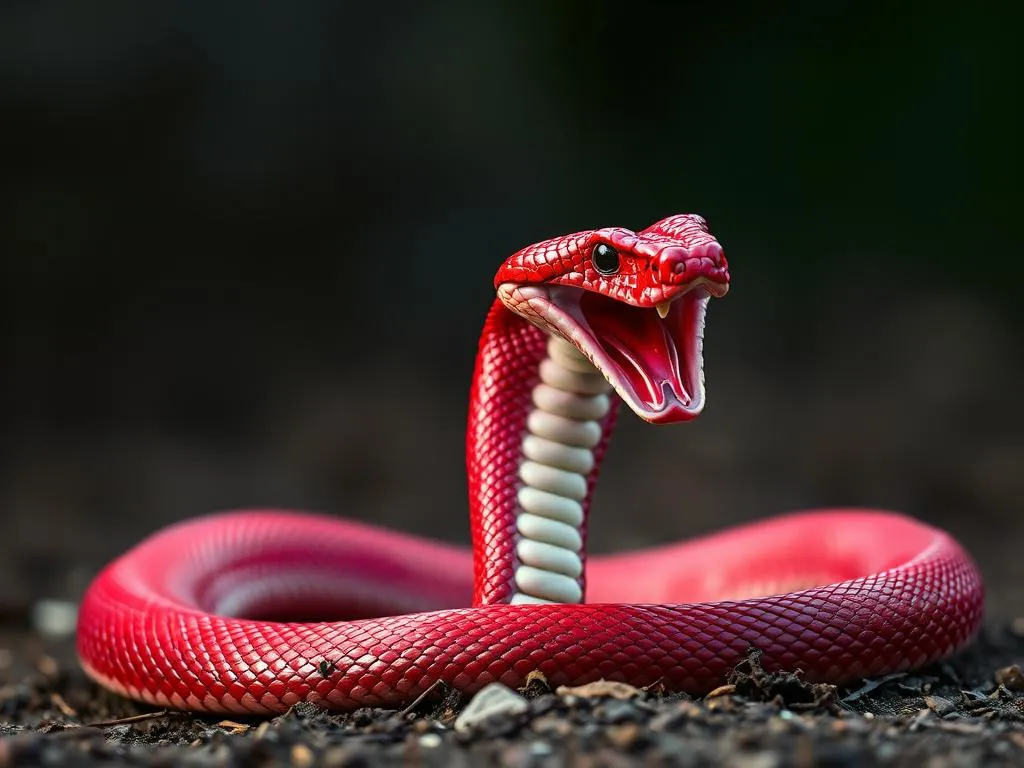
x,y
967,712
917,410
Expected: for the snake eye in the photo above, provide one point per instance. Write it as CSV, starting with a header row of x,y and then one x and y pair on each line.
x,y
605,259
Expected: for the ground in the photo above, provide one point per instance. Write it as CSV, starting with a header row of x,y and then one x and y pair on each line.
x,y
969,711
917,411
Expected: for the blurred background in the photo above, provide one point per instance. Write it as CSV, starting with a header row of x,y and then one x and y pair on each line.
x,y
247,249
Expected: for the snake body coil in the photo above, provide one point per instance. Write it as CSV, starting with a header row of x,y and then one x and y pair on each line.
x,y
254,611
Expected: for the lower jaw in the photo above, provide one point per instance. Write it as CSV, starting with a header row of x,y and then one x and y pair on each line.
x,y
670,377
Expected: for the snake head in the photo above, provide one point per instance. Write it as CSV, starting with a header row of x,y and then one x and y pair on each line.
x,y
632,302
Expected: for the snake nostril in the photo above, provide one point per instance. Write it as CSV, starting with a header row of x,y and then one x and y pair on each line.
x,y
670,264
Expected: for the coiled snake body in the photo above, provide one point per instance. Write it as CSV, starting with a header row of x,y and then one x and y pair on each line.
x,y
241,611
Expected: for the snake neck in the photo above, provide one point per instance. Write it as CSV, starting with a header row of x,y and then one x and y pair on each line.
x,y
540,419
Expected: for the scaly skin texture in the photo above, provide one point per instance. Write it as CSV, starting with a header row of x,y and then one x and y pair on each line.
x,y
838,594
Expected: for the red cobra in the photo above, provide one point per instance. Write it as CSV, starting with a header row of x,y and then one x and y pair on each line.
x,y
840,595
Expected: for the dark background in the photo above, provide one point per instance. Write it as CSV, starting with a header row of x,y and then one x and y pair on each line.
x,y
247,249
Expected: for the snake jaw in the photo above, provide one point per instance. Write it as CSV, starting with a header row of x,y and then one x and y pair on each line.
x,y
653,359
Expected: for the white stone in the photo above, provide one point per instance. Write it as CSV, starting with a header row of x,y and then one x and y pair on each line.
x,y
492,699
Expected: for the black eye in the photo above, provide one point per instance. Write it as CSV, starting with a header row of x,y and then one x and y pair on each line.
x,y
605,258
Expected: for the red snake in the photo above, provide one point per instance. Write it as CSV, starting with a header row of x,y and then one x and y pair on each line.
x,y
255,611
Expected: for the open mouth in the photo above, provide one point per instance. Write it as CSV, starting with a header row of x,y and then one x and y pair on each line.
x,y
652,356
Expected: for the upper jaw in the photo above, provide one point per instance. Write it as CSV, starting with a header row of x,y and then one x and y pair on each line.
x,y
654,362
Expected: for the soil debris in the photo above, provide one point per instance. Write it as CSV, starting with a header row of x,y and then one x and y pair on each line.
x,y
601,689
1011,677
956,714
749,680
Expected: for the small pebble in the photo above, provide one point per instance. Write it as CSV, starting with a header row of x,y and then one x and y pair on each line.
x,y
54,618
1010,677
492,699
302,756
430,740
541,748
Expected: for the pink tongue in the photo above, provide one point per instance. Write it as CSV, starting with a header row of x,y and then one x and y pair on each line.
x,y
641,346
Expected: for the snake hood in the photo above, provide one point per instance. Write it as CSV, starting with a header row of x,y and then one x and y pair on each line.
x,y
632,302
